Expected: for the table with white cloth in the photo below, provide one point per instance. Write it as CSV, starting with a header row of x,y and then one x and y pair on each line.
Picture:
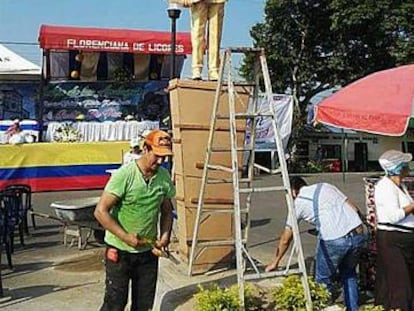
x,y
29,127
104,131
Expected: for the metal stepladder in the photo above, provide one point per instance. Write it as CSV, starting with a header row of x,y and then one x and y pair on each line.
x,y
241,229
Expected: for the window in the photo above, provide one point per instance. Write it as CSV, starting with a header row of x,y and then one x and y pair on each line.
x,y
332,151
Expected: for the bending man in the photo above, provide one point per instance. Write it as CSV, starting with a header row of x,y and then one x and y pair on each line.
x,y
340,235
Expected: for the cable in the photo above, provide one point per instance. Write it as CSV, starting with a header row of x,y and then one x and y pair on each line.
x,y
19,43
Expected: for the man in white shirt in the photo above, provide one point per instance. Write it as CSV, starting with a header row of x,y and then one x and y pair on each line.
x,y
134,153
340,237
136,145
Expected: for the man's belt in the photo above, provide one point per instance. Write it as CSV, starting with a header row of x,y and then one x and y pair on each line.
x,y
356,231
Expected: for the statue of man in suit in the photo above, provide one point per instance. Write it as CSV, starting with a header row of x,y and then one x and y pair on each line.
x,y
205,13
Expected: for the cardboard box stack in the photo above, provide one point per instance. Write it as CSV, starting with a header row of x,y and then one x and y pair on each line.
x,y
191,108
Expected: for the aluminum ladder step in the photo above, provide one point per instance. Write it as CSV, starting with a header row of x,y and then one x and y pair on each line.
x,y
226,181
262,189
218,243
241,116
272,274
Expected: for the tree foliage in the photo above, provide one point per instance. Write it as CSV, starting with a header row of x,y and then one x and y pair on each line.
x,y
312,45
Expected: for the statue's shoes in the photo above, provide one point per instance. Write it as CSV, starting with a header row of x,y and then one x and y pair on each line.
x,y
213,76
196,74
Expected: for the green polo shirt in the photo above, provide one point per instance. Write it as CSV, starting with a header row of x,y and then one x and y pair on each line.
x,y
139,205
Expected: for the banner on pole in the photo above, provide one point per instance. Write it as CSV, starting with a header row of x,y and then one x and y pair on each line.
x,y
283,109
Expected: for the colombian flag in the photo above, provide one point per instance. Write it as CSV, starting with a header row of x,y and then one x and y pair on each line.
x,y
60,166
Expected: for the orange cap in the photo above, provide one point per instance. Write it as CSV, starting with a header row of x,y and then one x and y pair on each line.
x,y
160,142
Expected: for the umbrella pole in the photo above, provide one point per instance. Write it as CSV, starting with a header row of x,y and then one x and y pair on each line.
x,y
405,142
344,155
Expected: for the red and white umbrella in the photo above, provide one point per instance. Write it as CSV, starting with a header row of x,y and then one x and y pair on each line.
x,y
380,103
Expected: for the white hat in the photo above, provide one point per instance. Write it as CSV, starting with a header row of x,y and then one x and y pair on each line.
x,y
145,133
135,142
391,159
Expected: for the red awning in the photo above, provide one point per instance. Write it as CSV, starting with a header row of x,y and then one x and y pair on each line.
x,y
112,40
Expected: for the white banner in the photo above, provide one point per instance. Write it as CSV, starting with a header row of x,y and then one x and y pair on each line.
x,y
283,109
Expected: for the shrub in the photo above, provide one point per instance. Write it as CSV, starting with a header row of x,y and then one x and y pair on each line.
x,y
371,308
290,295
227,299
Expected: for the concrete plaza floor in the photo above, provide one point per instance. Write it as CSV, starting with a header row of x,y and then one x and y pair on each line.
x,y
49,276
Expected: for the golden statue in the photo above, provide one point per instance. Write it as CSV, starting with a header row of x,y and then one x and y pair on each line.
x,y
205,12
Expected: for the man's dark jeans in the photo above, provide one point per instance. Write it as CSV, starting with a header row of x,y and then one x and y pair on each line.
x,y
139,268
340,255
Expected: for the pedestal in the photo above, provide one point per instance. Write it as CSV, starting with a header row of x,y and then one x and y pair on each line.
x,y
191,108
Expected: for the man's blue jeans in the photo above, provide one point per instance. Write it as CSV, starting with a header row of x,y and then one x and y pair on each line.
x,y
340,256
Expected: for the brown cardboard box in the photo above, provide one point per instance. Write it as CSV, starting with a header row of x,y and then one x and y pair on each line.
x,y
192,101
190,153
191,108
215,195
216,226
212,227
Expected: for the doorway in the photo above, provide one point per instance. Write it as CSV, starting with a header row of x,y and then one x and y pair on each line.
x,y
361,157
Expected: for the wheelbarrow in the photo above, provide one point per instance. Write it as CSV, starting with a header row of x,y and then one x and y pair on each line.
x,y
79,223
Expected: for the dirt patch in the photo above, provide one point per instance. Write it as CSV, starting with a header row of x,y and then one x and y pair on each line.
x,y
93,261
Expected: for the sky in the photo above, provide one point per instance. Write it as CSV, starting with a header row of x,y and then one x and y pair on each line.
x,y
20,20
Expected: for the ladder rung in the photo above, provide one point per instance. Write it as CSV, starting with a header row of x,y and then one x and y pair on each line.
x,y
223,201
248,84
267,170
200,165
271,274
218,243
220,149
240,83
223,210
220,181
220,168
245,50
192,126
241,115
227,181
245,116
262,189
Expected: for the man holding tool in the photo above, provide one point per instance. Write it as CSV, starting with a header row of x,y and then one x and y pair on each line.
x,y
128,209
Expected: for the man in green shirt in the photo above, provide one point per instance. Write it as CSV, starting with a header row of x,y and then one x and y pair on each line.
x,y
128,209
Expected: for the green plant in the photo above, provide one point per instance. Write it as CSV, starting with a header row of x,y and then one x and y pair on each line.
x,y
227,299
290,295
317,167
65,132
311,166
122,74
371,308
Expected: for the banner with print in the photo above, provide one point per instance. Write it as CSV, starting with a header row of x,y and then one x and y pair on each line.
x,y
283,109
